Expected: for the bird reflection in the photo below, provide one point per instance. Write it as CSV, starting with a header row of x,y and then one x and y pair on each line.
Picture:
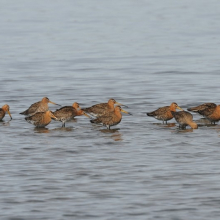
x,y
46,130
41,130
67,129
204,121
168,125
116,135
73,120
183,130
6,123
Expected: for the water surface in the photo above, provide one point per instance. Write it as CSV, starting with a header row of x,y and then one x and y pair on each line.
x,y
145,55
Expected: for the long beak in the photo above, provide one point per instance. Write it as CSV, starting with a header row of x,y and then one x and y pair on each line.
x,y
9,114
86,115
117,103
179,108
125,112
54,103
53,116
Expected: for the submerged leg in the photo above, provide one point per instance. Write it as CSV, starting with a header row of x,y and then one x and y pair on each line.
x,y
63,124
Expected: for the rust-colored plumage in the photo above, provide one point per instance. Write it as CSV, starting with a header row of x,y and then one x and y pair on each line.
x,y
102,108
211,111
110,118
40,119
67,113
164,113
3,110
40,106
184,118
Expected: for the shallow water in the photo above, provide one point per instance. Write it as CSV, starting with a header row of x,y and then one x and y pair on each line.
x,y
145,55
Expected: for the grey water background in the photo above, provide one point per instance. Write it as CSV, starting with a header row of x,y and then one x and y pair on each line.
x,y
145,54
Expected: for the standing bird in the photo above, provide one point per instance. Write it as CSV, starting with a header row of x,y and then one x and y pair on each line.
x,y
40,106
67,113
102,108
3,110
211,111
164,113
40,119
184,119
110,118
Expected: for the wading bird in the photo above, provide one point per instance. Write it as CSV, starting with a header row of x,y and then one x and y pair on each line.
x,y
40,119
3,110
67,113
211,111
183,119
40,106
110,118
164,113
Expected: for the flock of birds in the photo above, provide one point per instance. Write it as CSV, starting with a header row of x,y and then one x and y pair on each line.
x,y
39,114
109,114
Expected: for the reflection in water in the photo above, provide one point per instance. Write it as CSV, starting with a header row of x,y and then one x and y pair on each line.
x,y
41,130
116,135
178,130
73,120
46,130
203,121
6,123
67,129
168,125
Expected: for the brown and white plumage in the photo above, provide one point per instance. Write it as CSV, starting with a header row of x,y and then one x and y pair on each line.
x,y
40,119
164,113
211,111
67,113
40,106
3,110
184,118
102,108
110,118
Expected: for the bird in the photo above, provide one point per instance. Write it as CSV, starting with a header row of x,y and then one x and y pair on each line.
x,y
3,110
40,119
211,111
164,113
40,106
184,118
102,108
110,118
67,113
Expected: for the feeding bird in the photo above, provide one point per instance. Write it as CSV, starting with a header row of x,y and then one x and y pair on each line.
x,y
3,110
184,118
211,111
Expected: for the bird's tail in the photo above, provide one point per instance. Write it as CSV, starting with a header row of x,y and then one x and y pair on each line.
x,y
193,109
150,114
24,113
